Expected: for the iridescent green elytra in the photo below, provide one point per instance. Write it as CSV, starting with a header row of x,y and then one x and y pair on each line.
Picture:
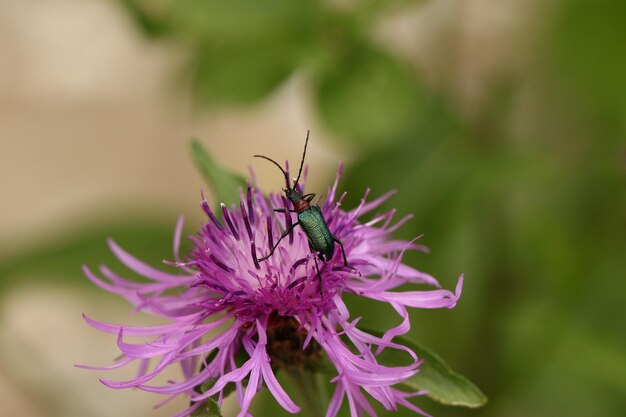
x,y
314,225
310,218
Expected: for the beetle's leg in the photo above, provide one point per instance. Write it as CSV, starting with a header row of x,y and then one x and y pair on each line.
x,y
319,276
317,268
343,252
308,197
283,210
284,235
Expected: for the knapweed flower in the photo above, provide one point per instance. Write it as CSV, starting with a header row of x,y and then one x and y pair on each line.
x,y
225,305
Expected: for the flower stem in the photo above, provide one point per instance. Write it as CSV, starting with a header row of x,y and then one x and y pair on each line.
x,y
313,397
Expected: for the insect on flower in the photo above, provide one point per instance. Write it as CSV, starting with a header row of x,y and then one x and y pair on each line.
x,y
231,322
310,218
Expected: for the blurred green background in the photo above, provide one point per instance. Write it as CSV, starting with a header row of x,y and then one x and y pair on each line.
x,y
501,124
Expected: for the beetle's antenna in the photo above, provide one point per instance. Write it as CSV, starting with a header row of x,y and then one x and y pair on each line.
x,y
306,142
279,167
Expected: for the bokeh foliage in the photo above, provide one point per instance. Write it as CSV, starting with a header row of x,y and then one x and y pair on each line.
x,y
528,200
241,51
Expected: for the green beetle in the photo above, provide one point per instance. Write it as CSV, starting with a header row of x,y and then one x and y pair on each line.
x,y
310,218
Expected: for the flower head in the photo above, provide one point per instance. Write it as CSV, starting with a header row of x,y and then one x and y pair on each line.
x,y
285,311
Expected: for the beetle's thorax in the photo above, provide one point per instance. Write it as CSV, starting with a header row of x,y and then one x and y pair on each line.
x,y
301,205
295,196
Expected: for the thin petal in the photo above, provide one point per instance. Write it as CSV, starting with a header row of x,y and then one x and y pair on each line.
x,y
139,267
277,391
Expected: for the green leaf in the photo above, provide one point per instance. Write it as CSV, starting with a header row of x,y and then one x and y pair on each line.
x,y
244,21
368,96
224,184
435,375
243,50
241,74
151,17
209,408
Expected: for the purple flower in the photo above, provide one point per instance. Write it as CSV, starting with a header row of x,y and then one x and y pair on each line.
x,y
225,304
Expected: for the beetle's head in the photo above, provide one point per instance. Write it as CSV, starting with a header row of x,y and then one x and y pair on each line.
x,y
293,194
